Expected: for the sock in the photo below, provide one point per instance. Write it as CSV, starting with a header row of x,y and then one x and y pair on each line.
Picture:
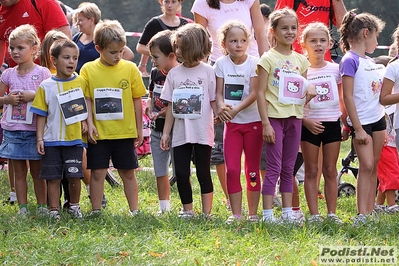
x,y
42,206
296,208
164,205
287,212
88,189
268,214
13,196
23,206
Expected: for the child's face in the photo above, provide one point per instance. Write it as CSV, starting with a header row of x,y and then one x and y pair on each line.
x,y
286,31
159,60
316,43
236,42
371,40
112,54
66,62
22,52
178,50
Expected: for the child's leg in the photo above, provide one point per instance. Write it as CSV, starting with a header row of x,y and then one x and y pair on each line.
x,y
203,167
253,142
380,198
11,177
39,185
86,172
182,158
233,145
390,196
310,154
295,197
330,157
53,189
221,172
74,190
97,187
21,185
130,187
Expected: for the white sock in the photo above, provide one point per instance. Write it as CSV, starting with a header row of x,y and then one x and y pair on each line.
x,y
88,189
287,212
164,205
268,214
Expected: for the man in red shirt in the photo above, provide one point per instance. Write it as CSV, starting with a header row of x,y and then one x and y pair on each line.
x,y
44,15
314,11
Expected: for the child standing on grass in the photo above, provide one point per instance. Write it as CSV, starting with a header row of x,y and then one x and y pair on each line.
x,y
113,93
282,89
163,59
190,91
236,90
361,85
19,85
321,124
59,140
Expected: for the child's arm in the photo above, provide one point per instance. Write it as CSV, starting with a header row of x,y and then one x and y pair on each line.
x,y
386,96
310,91
268,131
344,115
27,96
91,129
138,113
40,122
84,126
169,120
347,87
221,107
314,126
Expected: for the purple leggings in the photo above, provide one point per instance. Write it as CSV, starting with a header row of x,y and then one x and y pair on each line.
x,y
281,156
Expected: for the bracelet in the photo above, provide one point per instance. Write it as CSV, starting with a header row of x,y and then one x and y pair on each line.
x,y
39,140
346,129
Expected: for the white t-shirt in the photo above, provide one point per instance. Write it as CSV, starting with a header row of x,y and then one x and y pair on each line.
x,y
237,84
328,113
199,130
392,74
238,10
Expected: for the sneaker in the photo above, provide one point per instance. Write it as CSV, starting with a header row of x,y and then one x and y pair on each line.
x,y
75,211
23,212
315,219
133,213
360,219
94,214
104,202
269,220
233,218
298,214
379,208
172,180
290,220
42,211
54,214
276,201
393,209
11,200
334,218
188,214
253,218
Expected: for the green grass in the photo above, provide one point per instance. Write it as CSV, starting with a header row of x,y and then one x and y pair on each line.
x,y
117,239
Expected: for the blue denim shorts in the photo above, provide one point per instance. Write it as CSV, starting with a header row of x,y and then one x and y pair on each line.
x,y
19,145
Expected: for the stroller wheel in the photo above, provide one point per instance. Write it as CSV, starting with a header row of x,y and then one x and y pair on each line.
x,y
346,189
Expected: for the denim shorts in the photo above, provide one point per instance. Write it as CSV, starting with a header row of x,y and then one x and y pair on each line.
x,y
19,145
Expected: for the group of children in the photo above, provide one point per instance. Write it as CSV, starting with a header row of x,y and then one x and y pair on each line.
x,y
284,98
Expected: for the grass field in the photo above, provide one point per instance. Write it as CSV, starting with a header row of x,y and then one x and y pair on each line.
x,y
117,239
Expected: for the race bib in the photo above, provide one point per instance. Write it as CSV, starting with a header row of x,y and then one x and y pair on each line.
x,y
19,113
108,104
73,106
291,87
327,92
187,102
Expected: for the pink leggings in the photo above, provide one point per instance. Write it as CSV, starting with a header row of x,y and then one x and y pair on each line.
x,y
239,137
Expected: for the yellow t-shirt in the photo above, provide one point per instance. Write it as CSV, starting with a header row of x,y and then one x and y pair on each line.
x,y
123,77
272,61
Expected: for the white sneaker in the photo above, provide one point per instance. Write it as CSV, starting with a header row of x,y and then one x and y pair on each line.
x,y
234,218
290,220
379,208
23,212
188,214
298,214
75,211
13,197
253,218
315,219
393,209
334,218
133,213
269,219
360,219
42,211
54,214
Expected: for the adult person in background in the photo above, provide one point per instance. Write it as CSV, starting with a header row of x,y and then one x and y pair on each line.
x,y
212,14
266,10
44,15
169,19
328,12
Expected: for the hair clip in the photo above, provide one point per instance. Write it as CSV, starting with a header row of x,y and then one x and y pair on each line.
x,y
354,14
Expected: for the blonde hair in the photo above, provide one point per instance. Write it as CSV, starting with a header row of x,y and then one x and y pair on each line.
x,y
315,26
393,49
88,10
195,41
275,17
48,40
224,30
107,32
28,34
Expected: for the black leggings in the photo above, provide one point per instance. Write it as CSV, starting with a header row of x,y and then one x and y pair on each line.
x,y
182,157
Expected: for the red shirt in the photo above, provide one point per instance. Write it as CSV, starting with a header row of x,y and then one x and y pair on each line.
x,y
50,16
316,11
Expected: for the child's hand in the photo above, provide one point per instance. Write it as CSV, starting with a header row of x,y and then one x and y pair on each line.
x,y
26,96
361,137
92,134
12,98
161,113
344,135
84,127
223,113
139,140
165,142
315,127
40,147
269,134
310,93
216,120
386,139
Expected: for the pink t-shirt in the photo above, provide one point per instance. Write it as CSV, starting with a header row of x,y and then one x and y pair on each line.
x,y
27,82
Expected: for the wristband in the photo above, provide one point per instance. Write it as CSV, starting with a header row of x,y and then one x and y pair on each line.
x,y
346,129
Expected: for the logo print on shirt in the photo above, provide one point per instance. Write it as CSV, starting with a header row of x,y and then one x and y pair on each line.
x,y
310,8
25,15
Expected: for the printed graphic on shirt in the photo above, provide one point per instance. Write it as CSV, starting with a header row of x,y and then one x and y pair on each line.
x,y
308,8
108,104
291,87
374,81
233,93
20,114
187,101
73,106
158,103
327,91
283,65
